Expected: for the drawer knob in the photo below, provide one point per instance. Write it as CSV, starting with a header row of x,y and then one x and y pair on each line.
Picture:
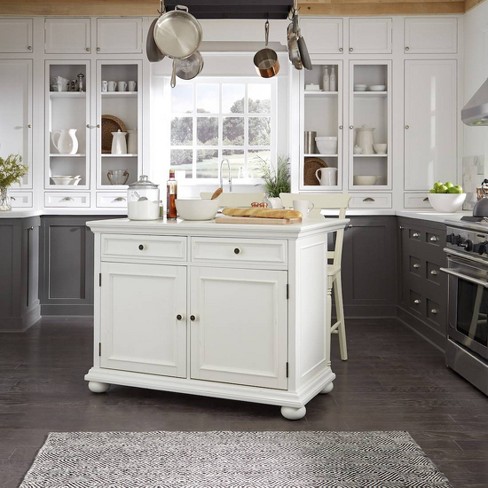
x,y
192,318
433,272
141,247
416,266
237,250
434,239
416,235
433,311
179,317
417,301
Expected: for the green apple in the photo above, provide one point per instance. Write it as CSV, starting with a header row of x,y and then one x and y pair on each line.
x,y
448,184
442,189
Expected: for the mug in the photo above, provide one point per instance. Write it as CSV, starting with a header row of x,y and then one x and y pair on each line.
x,y
303,206
122,86
112,85
327,176
132,85
104,85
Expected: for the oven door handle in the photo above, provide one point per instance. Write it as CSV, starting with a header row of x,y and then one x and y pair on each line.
x,y
484,284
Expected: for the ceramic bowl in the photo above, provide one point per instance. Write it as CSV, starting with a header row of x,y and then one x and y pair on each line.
x,y
326,144
447,202
360,87
377,87
379,148
64,180
364,180
196,209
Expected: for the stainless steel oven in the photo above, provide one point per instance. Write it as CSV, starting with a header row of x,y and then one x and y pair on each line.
x,y
467,328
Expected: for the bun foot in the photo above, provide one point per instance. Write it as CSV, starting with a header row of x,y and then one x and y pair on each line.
x,y
97,387
292,413
327,388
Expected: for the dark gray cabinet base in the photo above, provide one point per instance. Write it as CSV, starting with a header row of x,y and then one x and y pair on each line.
x,y
19,251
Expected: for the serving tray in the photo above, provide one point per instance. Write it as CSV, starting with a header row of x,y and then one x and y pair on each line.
x,y
255,220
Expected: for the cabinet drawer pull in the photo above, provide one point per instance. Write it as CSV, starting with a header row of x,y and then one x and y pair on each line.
x,y
434,311
141,247
434,272
434,239
417,301
30,228
368,199
193,318
416,235
119,199
88,126
237,250
426,199
179,317
67,199
416,266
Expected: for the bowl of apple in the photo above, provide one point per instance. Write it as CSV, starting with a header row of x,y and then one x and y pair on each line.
x,y
446,197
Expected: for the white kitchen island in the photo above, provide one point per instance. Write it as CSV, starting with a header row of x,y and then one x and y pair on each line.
x,y
232,311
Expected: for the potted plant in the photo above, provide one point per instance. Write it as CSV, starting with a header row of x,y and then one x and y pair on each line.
x,y
276,181
11,171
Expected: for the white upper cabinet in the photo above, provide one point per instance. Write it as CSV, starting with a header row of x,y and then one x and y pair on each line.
x,y
431,35
69,35
16,35
430,122
323,35
371,36
121,35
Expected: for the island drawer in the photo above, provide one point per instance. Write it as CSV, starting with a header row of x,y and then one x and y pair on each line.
x,y
237,250
143,248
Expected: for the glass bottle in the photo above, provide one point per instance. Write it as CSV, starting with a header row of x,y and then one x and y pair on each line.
x,y
171,195
326,79
332,80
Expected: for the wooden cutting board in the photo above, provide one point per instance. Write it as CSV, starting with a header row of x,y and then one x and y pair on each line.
x,y
255,220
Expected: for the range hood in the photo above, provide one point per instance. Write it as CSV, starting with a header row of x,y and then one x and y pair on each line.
x,y
475,112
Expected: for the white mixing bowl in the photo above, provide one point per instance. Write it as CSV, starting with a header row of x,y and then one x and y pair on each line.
x,y
196,209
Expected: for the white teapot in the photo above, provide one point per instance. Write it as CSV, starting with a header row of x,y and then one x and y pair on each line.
x,y
119,142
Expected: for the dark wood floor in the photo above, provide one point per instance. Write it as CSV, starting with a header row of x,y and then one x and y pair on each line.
x,y
392,381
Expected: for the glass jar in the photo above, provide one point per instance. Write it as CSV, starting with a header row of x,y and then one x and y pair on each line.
x,y
143,200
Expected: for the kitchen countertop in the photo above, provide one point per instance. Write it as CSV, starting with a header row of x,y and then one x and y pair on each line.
x,y
413,214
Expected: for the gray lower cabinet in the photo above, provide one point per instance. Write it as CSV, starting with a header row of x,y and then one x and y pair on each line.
x,y
369,267
66,265
423,297
19,268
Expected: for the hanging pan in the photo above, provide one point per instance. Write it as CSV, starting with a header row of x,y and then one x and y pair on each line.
x,y
188,68
177,33
302,47
266,60
152,51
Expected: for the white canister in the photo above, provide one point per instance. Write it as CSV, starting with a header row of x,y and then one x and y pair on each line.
x,y
364,139
143,200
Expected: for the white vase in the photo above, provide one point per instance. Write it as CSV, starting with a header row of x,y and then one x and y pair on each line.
x,y
5,203
364,139
65,141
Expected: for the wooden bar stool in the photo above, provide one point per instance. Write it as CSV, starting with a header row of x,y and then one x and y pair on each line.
x,y
339,202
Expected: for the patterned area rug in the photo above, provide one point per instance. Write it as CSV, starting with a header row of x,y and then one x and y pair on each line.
x,y
232,459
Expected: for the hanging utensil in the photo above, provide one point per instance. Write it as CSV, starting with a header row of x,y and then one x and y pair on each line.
x,y
177,33
302,47
293,51
266,60
188,68
152,51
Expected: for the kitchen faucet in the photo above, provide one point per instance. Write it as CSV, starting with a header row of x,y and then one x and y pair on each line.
x,y
230,176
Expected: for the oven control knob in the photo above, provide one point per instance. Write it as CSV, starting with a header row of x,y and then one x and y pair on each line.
x,y
451,238
467,244
458,240
480,248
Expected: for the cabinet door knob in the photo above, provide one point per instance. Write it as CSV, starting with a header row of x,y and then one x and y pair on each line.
x,y
341,49
417,301
141,247
193,318
407,127
434,311
351,127
30,228
237,250
29,126
29,48
433,272
416,266
407,48
179,317
434,239
351,49
98,49
341,127
401,227
87,49
416,235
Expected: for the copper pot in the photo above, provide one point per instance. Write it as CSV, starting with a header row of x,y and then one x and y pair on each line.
x,y
266,60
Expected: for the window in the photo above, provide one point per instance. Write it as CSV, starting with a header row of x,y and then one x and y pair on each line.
x,y
222,118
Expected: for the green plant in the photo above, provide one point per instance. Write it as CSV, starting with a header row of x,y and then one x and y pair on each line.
x,y
11,170
276,181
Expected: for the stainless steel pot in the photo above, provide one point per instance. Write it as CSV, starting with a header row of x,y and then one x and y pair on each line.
x,y
266,60
177,33
152,51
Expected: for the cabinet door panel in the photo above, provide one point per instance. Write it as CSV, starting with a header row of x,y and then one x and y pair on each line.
x,y
16,35
431,35
67,35
430,122
140,330
323,36
239,334
122,35
370,35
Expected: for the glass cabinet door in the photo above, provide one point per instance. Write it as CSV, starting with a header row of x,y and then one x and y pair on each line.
x,y
321,154
369,125
119,115
67,136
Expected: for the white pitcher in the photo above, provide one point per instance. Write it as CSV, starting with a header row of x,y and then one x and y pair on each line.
x,y
65,141
327,176
364,139
119,142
